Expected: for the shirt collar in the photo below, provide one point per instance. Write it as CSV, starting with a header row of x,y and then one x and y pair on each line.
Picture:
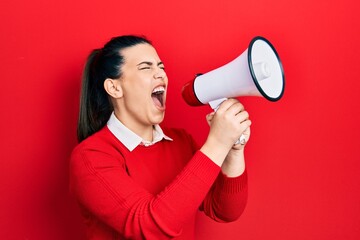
x,y
130,139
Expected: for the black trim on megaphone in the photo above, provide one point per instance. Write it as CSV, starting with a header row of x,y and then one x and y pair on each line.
x,y
253,72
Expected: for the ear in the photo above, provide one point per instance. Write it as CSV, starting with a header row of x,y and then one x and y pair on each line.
x,y
113,87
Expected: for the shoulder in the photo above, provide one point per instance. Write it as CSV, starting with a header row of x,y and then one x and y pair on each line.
x,y
100,139
98,147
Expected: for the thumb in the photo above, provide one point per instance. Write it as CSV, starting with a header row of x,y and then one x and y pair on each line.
x,y
209,117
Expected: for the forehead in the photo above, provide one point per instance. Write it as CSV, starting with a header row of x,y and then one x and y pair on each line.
x,y
139,53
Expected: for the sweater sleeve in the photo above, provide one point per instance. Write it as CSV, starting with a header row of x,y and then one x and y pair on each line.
x,y
102,185
227,198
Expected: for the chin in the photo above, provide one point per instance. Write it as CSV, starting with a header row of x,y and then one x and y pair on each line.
x,y
158,119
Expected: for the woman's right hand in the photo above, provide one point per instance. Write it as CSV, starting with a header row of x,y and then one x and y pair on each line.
x,y
225,129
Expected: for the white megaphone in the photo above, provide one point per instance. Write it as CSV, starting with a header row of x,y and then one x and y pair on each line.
x,y
256,72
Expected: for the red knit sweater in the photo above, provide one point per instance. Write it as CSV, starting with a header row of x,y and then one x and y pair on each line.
x,y
152,192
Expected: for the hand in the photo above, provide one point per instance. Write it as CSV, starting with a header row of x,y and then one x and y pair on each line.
x,y
245,123
234,164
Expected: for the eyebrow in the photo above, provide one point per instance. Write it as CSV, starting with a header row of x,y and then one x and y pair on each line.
x,y
150,63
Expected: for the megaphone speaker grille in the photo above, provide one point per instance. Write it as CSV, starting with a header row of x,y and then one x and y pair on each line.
x,y
266,68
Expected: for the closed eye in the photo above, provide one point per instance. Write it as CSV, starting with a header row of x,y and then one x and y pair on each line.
x,y
161,65
144,65
143,68
148,65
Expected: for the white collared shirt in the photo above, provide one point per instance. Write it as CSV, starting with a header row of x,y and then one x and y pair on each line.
x,y
130,139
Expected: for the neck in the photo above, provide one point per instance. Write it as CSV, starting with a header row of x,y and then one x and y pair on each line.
x,y
142,130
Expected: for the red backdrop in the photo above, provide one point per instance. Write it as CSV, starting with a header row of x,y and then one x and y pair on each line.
x,y
303,157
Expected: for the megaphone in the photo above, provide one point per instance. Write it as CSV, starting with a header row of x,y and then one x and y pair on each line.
x,y
256,72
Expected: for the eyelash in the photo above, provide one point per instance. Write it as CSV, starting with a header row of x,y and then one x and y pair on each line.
x,y
144,68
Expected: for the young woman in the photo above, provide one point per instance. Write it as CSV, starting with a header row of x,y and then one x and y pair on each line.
x,y
135,180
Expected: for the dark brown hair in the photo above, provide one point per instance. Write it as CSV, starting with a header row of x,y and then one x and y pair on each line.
x,y
95,105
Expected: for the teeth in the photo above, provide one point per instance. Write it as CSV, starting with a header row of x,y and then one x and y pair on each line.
x,y
158,90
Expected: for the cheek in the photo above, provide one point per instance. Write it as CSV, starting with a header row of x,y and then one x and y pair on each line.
x,y
137,96
137,88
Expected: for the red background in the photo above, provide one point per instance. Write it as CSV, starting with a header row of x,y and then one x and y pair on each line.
x,y
303,156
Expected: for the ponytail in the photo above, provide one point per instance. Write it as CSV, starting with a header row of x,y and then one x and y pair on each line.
x,y
95,104
95,107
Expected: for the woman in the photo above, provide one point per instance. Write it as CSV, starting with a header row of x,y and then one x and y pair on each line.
x,y
135,180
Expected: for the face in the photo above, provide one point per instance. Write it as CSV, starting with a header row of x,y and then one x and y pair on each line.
x,y
143,83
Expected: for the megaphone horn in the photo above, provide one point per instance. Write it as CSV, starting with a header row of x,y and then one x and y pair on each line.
x,y
256,72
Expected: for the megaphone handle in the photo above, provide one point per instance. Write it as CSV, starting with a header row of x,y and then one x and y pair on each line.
x,y
215,105
241,140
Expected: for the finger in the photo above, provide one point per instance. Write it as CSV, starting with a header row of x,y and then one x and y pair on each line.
x,y
236,108
210,116
245,125
225,105
232,110
242,116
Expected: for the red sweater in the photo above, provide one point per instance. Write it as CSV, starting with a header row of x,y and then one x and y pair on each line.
x,y
152,192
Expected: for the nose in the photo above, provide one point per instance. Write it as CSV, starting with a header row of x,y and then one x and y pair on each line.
x,y
160,73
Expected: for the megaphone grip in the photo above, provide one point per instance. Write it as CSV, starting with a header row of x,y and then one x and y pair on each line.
x,y
241,140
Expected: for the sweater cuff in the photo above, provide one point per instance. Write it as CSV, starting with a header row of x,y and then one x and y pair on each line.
x,y
232,184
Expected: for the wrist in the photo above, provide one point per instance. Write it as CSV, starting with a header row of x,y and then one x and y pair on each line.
x,y
216,151
234,164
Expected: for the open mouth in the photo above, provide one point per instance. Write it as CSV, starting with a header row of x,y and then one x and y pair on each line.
x,y
157,96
